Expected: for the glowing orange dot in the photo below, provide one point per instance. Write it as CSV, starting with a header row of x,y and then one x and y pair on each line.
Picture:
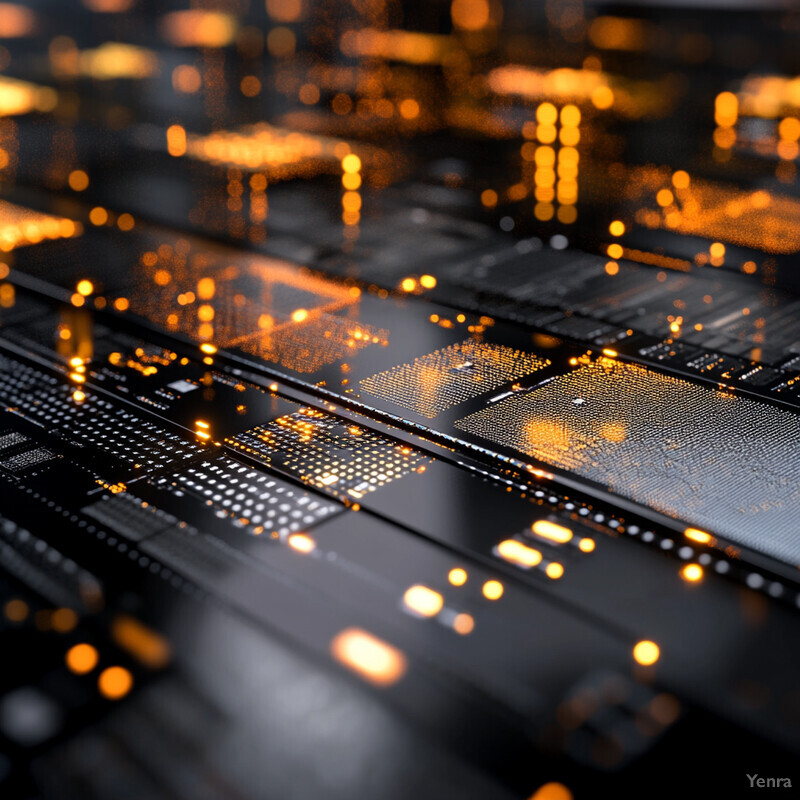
x,y
206,287
546,114
205,312
570,116
612,268
692,573
470,15
250,86
646,653
680,180
351,181
409,108
309,94
726,109
78,180
665,198
369,657
463,624
408,285
616,228
125,222
63,620
85,287
81,658
602,97
614,250
115,682
98,216
351,163
16,610
351,201
587,545
554,570
552,791
299,315
457,576
492,590
301,542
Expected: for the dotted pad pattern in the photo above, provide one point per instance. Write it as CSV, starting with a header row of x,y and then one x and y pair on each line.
x,y
723,463
452,375
95,422
325,452
257,501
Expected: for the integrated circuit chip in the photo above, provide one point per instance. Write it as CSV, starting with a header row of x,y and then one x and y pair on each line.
x,y
450,376
710,458
345,460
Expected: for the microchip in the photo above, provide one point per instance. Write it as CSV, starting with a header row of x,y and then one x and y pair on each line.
x,y
715,460
345,460
27,460
450,376
182,387
12,439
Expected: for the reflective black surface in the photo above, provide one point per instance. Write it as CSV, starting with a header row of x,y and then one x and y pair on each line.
x,y
398,399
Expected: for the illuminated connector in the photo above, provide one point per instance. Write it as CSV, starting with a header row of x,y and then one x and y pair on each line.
x,y
646,653
301,542
423,601
696,535
551,531
518,553
369,657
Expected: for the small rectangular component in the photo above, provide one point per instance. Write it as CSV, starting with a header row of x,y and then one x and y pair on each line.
x,y
27,460
710,458
451,376
324,452
11,439
129,516
251,498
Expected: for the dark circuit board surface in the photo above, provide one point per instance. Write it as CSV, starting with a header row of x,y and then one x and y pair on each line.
x,y
398,400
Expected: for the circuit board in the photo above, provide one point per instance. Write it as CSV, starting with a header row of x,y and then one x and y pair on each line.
x,y
397,400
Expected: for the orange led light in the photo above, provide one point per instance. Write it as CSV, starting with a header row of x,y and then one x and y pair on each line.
x,y
144,644
81,658
519,553
696,535
463,624
301,542
552,791
646,653
457,576
552,531
492,590
423,601
369,657
115,682
351,163
300,315
554,570
692,573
